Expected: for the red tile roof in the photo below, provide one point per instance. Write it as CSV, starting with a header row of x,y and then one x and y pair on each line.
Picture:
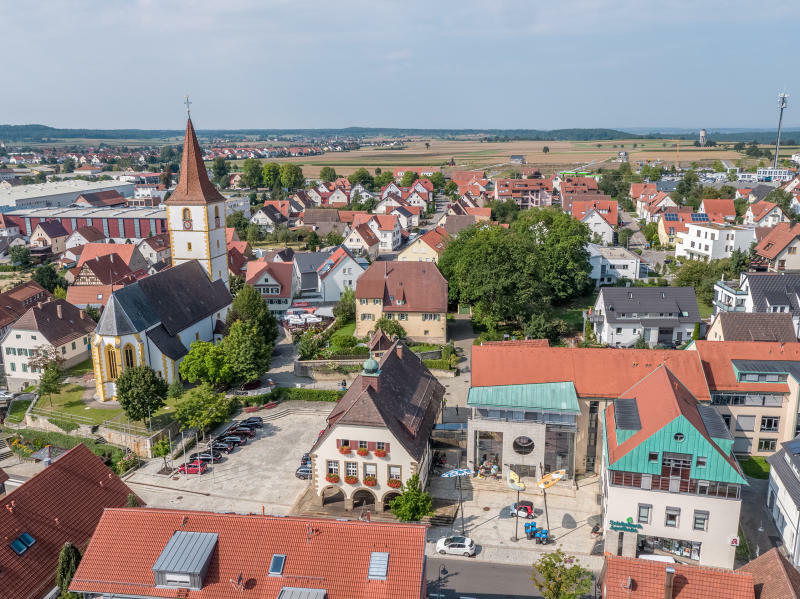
x,y
90,233
231,235
193,188
774,577
719,206
639,190
716,357
16,301
647,580
347,216
777,239
237,262
90,295
419,285
281,272
760,209
320,554
436,238
124,251
62,503
608,209
518,363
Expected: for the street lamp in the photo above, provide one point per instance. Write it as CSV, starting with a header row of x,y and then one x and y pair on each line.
x,y
458,473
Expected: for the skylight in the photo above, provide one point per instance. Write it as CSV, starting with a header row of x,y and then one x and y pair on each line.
x,y
378,565
22,543
276,565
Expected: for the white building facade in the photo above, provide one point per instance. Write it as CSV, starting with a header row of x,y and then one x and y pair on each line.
x,y
713,241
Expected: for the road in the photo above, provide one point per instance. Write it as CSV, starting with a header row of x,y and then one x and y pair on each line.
x,y
463,577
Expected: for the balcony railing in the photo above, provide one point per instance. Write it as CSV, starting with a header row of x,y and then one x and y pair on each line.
x,y
727,307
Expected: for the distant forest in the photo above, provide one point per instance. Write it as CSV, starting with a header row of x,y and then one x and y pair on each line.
x,y
41,133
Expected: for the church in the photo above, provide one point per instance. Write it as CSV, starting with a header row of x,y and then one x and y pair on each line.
x,y
154,321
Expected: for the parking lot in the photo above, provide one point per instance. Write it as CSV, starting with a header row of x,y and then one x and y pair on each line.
x,y
259,475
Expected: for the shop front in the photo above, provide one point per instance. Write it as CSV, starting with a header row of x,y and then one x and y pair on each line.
x,y
688,551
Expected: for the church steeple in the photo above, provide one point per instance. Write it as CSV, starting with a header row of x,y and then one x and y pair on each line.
x,y
194,187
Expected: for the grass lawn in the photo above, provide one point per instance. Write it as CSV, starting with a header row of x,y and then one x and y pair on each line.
x,y
17,411
755,467
347,330
80,369
572,311
706,310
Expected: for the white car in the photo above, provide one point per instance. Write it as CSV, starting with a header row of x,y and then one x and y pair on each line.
x,y
456,546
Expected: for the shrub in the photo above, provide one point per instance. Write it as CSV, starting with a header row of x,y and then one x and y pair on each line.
x,y
440,364
332,478
64,425
126,462
380,453
362,451
301,394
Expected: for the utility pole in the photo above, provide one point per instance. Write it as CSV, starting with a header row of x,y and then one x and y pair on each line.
x,y
781,106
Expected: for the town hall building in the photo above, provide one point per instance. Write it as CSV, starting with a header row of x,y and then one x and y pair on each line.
x,y
154,321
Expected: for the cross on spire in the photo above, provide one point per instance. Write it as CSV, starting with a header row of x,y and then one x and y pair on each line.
x,y
188,103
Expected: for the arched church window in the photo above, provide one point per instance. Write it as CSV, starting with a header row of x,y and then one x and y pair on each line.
x,y
130,356
111,363
216,216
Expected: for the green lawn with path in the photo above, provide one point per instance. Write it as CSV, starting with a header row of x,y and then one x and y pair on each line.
x,y
571,312
347,330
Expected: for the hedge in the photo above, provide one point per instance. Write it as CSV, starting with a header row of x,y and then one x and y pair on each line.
x,y
441,364
292,393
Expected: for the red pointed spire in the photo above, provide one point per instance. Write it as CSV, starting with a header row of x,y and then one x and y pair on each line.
x,y
193,188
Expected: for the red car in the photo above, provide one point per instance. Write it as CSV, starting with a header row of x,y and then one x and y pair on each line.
x,y
196,467
523,509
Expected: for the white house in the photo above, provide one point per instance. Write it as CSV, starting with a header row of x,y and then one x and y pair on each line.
x,y
51,326
387,204
362,242
774,174
378,435
388,230
267,218
274,281
8,228
764,214
783,496
409,218
609,264
659,315
323,276
599,226
713,241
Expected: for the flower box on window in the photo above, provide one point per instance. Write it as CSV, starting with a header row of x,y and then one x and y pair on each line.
x,y
370,481
380,453
344,450
395,483
362,451
351,480
332,478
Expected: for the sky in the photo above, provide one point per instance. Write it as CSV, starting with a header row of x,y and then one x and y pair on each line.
x,y
533,64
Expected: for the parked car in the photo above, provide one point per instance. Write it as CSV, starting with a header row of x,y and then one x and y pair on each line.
x,y
303,472
206,456
234,439
523,509
253,422
305,460
195,467
241,431
222,446
456,546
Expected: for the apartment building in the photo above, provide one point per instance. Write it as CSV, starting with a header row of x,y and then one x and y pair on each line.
x,y
759,292
713,241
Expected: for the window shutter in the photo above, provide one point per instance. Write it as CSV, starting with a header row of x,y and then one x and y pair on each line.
x,y
387,446
353,445
338,443
371,445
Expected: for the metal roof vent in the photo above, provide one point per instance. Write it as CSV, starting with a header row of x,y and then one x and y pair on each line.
x,y
378,565
276,565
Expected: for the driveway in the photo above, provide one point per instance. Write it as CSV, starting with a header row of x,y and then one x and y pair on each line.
x,y
255,476
460,333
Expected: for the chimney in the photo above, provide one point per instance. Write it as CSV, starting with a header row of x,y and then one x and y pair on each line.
x,y
49,459
58,311
83,314
668,580
399,350
111,257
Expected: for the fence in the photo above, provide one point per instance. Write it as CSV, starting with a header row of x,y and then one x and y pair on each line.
x,y
112,423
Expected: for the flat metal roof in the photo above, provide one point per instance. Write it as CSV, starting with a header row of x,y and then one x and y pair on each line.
x,y
92,212
553,397
186,552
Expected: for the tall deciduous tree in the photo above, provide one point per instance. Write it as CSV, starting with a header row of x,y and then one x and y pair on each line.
x,y
206,363
249,306
408,178
362,176
346,306
413,503
252,175
560,576
390,327
20,255
237,220
292,176
202,408
141,392
220,170
68,560
51,380
48,278
271,175
246,352
327,174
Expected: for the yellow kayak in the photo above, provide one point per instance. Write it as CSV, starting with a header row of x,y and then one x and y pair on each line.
x,y
551,478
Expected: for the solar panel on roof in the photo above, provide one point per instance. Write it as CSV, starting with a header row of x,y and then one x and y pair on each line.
x,y
715,425
671,216
626,414
700,217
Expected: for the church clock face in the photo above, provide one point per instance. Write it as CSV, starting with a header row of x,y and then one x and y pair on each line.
x,y
187,225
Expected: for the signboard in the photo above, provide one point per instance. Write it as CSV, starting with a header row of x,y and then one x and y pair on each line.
x,y
734,541
629,526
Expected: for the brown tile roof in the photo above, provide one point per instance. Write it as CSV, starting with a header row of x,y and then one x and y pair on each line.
x,y
379,341
52,228
16,301
161,242
519,363
90,233
109,197
690,582
62,503
366,234
320,554
760,209
777,239
57,320
774,577
755,326
3,476
90,295
454,224
108,269
194,188
419,285
404,397
236,262
320,215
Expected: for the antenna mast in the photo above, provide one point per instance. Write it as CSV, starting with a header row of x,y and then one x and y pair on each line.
x,y
781,106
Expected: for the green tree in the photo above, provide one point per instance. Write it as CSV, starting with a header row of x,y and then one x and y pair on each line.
x,y
650,232
542,325
624,236
235,282
253,234
68,560
504,211
93,313
68,165
408,178
249,306
451,188
51,380
246,352
333,238
383,179
560,576
362,176
166,176
345,308
140,392
60,293
546,149
20,255
237,220
390,327
202,408
252,175
220,170
718,167
271,175
327,174
175,390
313,241
162,449
641,343
206,363
132,500
308,345
427,145
292,176
48,278
438,180
413,503
783,199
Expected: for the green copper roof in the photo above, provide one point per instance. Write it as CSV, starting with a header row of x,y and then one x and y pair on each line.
x,y
553,397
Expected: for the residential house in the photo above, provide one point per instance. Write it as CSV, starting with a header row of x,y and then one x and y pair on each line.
x,y
422,171
413,293
649,207
339,271
408,216
50,234
61,504
339,198
54,325
95,280
641,195
764,214
759,192
631,578
129,253
526,193
305,273
428,247
600,217
674,221
267,218
713,241
314,217
517,159
274,281
659,315
83,235
773,575
156,249
17,300
454,224
386,228
760,292
609,264
379,431
725,208
153,322
207,555
752,326
783,500
98,199
777,251
388,203
362,242
8,228
658,437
